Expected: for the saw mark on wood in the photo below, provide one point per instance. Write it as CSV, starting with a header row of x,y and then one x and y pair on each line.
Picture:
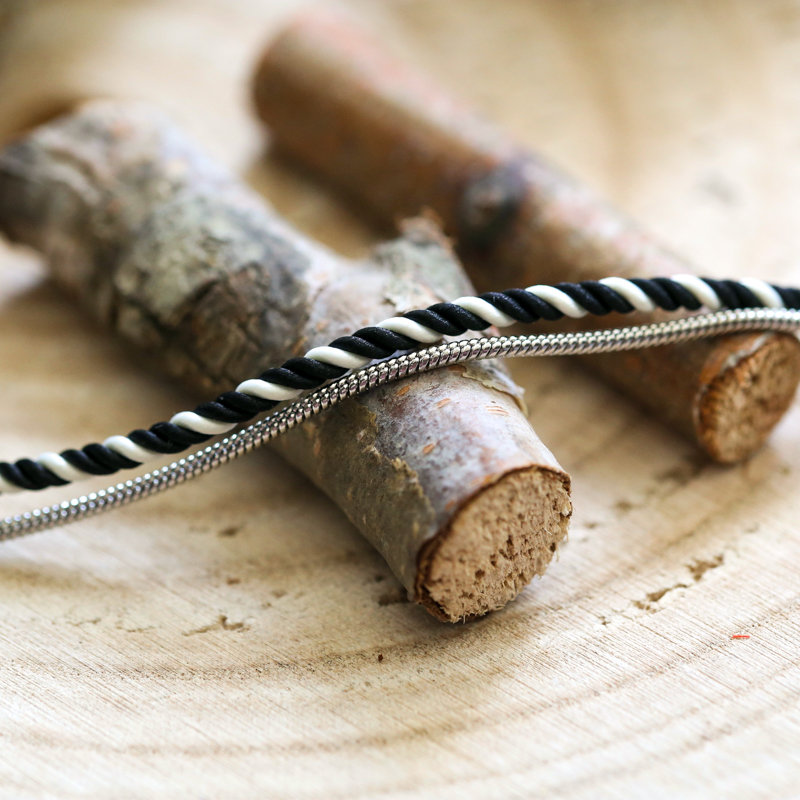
x,y
220,624
697,569
81,622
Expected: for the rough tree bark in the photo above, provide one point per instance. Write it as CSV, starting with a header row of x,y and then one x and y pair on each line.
x,y
397,143
442,473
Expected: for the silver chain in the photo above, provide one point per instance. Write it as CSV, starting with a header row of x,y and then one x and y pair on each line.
x,y
393,369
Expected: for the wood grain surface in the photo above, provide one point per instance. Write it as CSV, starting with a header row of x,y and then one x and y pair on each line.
x,y
237,638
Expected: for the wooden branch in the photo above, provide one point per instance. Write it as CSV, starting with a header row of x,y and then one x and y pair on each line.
x,y
397,144
442,473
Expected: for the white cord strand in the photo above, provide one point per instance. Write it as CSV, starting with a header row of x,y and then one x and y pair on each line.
x,y
123,446
561,300
631,292
60,466
764,292
267,390
702,292
337,358
407,327
484,310
194,422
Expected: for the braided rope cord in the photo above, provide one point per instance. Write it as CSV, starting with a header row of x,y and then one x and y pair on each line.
x,y
425,326
392,369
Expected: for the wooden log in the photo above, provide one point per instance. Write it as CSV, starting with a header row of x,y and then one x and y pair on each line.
x,y
442,473
396,143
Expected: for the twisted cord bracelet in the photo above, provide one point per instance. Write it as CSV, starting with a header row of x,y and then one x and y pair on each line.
x,y
322,364
419,361
392,369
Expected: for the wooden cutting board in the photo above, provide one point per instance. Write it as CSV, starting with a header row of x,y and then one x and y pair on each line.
x,y
236,638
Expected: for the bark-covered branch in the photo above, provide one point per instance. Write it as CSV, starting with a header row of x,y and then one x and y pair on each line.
x,y
442,472
397,143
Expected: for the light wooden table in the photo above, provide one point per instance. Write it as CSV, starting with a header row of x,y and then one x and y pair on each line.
x,y
237,639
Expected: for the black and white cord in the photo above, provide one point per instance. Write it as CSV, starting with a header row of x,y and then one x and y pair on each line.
x,y
381,341
415,362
